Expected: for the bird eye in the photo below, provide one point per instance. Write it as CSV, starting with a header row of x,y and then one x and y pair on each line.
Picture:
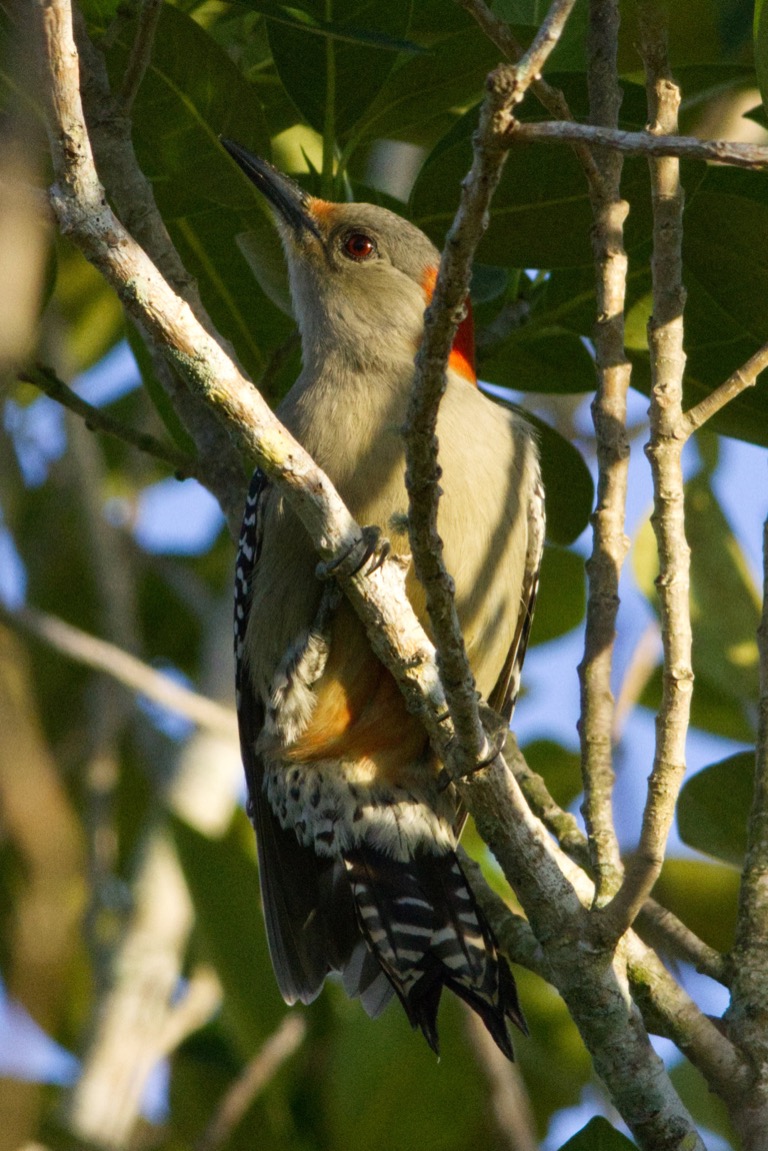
x,y
358,246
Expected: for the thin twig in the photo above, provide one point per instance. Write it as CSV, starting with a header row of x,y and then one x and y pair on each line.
x,y
133,673
730,152
264,1066
665,340
743,378
47,381
609,416
141,54
551,98
505,88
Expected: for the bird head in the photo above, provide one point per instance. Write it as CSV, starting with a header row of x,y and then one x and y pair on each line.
x,y
360,275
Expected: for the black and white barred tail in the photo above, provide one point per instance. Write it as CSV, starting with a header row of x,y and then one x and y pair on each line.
x,y
422,924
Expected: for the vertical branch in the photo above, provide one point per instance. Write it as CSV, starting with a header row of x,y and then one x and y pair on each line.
x,y
664,450
505,89
609,414
748,1011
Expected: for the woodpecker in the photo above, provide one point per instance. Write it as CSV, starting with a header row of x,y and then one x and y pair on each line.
x,y
356,836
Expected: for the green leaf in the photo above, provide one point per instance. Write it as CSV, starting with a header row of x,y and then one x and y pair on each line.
x,y
707,1109
725,320
157,392
710,709
301,57
713,810
428,91
598,1135
558,767
223,881
568,484
540,359
192,93
87,306
308,21
562,595
704,895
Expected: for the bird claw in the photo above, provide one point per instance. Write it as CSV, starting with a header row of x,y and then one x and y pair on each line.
x,y
497,737
371,549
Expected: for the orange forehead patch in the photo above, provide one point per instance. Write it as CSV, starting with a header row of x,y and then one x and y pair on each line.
x,y
462,357
321,209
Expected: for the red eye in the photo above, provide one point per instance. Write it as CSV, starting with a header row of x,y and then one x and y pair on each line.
x,y
358,246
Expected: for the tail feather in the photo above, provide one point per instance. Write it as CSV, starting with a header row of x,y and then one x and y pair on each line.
x,y
423,926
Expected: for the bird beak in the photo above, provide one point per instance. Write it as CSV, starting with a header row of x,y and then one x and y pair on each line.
x,y
285,195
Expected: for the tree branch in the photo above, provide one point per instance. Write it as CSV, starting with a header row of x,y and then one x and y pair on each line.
x,y
665,339
549,97
47,381
731,152
656,921
609,416
743,378
505,88
131,193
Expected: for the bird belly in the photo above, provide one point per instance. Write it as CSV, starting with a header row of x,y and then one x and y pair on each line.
x,y
361,768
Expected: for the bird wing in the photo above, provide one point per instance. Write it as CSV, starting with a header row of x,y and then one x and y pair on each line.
x,y
304,943
504,695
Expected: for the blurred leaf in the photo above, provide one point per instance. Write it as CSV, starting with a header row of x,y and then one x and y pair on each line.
x,y
301,57
87,308
558,767
598,1135
432,87
725,648
157,392
224,884
714,806
704,895
398,1065
562,595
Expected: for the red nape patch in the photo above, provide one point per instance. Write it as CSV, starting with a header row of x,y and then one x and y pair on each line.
x,y
462,357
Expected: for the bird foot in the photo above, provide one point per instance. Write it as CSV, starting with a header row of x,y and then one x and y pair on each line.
x,y
496,731
369,551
